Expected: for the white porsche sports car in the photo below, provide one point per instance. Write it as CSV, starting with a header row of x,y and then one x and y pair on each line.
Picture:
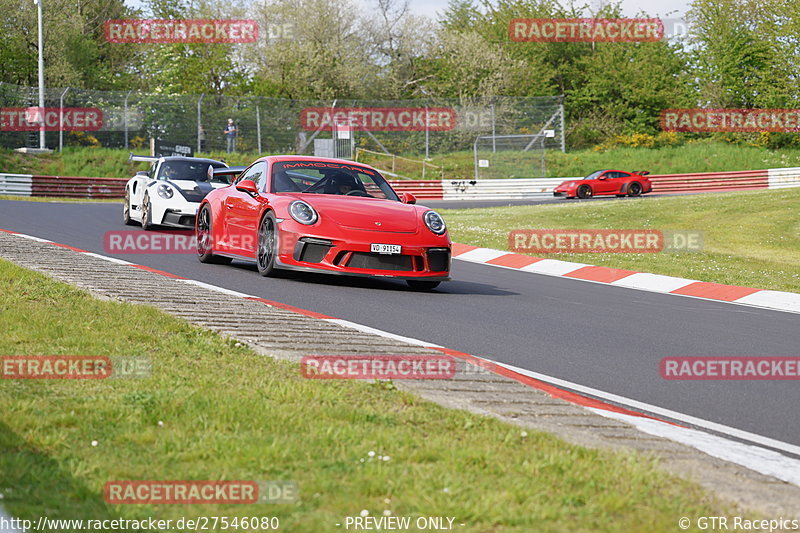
x,y
169,193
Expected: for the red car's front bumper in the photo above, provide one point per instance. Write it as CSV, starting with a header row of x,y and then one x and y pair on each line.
x,y
425,257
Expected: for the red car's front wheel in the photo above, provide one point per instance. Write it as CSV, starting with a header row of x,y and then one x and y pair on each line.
x,y
267,245
584,191
205,239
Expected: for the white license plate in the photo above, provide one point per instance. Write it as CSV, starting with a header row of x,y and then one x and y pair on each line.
x,y
391,249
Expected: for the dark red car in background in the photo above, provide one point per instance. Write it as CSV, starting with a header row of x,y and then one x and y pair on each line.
x,y
600,182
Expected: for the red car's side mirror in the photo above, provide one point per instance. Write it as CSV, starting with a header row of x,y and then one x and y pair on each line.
x,y
408,198
248,186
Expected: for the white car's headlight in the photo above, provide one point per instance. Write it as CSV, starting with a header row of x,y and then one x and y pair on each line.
x,y
435,222
165,191
303,212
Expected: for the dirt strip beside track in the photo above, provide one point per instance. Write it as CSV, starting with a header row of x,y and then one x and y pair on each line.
x,y
284,334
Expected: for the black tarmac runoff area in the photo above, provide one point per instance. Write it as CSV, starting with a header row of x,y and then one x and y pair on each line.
x,y
605,337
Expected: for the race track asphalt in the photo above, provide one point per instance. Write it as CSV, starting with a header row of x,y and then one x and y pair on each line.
x,y
605,337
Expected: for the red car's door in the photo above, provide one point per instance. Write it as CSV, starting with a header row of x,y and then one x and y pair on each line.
x,y
609,182
241,213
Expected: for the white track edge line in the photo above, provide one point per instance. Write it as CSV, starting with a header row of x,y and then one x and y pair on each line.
x,y
385,334
216,288
762,460
667,413
31,237
635,404
107,258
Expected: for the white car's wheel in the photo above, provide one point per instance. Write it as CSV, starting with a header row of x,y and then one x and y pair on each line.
x,y
126,210
147,213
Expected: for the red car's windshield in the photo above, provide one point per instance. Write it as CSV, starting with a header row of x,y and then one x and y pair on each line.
x,y
594,175
318,177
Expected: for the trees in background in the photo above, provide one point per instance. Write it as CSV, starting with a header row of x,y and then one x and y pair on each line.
x,y
741,53
75,50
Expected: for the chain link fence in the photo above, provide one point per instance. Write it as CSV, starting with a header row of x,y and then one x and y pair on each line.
x,y
421,127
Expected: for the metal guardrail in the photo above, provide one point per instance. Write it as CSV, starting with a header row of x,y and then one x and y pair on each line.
x,y
500,189
77,187
780,178
710,181
16,184
422,189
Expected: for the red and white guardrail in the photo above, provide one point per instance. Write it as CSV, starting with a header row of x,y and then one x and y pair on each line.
x,y
61,186
444,189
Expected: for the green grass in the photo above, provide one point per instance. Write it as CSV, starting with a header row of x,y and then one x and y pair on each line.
x,y
691,157
93,162
687,158
750,238
230,414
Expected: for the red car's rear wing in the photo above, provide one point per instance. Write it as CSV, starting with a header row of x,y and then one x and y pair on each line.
x,y
641,172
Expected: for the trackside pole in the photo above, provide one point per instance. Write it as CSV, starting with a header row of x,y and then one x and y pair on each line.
x,y
258,128
199,121
61,123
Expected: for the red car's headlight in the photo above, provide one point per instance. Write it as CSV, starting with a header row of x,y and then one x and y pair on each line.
x,y
303,212
435,222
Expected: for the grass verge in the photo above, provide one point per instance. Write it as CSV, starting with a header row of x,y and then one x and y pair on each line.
x,y
229,413
686,158
750,238
93,162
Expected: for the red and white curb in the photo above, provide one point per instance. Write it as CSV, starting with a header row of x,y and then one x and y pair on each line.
x,y
776,300
750,453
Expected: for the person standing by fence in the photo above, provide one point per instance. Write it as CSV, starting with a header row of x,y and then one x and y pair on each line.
x,y
230,133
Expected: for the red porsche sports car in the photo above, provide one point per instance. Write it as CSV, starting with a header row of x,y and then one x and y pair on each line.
x,y
602,182
322,215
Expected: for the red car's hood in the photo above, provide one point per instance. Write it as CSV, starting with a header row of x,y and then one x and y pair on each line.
x,y
577,180
365,213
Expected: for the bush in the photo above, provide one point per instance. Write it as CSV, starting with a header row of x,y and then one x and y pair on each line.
x,y
79,138
640,140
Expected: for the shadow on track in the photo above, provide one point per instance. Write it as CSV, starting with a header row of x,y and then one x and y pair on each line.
x,y
355,282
